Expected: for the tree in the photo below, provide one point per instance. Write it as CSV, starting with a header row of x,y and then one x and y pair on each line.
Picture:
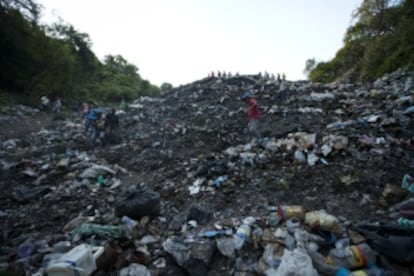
x,y
27,8
310,64
380,41
166,87
58,60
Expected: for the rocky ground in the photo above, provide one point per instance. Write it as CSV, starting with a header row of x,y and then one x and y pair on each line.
x,y
341,147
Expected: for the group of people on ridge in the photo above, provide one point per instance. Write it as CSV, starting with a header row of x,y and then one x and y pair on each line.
x,y
105,127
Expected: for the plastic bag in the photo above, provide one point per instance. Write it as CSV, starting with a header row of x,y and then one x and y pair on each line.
x,y
408,183
138,203
178,249
96,170
135,269
104,231
296,263
300,156
322,220
271,258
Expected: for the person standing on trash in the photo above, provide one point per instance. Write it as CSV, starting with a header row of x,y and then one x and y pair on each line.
x,y
253,116
57,105
91,118
98,129
44,103
84,110
111,125
282,90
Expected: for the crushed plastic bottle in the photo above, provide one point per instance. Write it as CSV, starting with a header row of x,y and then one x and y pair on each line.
x,y
355,256
242,234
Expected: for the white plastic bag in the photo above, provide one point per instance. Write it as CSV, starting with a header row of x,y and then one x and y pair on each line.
x,y
296,263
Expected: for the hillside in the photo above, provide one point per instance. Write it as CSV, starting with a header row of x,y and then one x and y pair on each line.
x,y
339,147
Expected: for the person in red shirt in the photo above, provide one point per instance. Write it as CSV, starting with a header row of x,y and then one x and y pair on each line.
x,y
253,116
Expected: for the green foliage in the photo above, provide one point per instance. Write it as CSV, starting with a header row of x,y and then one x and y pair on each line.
x,y
57,60
166,87
27,8
380,41
118,79
310,64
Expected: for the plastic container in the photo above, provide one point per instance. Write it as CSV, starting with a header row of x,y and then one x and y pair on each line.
x,y
355,256
294,211
80,261
242,234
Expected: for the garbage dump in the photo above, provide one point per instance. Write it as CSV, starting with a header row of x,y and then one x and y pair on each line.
x,y
326,190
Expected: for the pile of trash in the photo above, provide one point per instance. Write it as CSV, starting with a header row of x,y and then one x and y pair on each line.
x,y
327,190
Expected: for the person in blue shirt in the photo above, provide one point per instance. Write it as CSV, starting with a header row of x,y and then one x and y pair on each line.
x,y
91,118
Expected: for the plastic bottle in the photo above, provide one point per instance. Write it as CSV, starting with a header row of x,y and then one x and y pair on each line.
x,y
354,256
242,234
293,211
273,219
372,271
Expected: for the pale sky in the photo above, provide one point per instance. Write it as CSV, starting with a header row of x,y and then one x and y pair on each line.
x,y
181,41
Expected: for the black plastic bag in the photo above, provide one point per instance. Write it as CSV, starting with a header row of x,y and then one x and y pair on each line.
x,y
138,203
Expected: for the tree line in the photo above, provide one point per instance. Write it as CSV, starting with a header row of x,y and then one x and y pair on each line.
x,y
380,40
57,60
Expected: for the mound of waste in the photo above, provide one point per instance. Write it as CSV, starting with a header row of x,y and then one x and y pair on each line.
x,y
327,190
